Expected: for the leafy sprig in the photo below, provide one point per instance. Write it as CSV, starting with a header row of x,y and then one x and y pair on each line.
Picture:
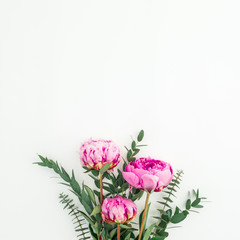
x,y
85,194
167,215
135,147
78,220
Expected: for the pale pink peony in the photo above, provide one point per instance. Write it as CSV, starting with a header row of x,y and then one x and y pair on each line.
x,y
96,153
118,210
149,174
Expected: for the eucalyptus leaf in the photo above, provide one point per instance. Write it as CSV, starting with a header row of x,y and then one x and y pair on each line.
x,y
140,136
196,202
177,218
188,204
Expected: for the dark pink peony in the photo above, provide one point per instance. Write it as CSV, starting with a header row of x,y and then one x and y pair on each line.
x,y
149,174
96,153
118,210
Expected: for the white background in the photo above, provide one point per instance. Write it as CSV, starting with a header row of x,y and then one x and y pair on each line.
x,y
70,70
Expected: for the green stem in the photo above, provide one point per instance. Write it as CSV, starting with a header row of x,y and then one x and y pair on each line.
x,y
101,189
144,216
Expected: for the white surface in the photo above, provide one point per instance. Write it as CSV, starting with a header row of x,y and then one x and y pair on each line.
x,y
70,70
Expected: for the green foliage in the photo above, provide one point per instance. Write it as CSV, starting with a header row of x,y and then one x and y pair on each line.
x,y
116,185
148,232
135,147
140,136
105,168
85,194
45,162
89,222
78,220
167,215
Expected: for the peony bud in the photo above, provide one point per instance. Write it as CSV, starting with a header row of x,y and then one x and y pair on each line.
x,y
118,210
96,153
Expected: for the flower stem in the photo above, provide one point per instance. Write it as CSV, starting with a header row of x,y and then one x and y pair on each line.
x,y
101,189
118,232
101,197
144,216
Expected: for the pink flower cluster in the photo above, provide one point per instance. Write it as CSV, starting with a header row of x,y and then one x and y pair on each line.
x,y
144,173
96,153
118,210
149,174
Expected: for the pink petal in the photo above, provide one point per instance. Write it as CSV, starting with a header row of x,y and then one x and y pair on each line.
x,y
149,182
165,177
160,186
131,178
140,172
129,168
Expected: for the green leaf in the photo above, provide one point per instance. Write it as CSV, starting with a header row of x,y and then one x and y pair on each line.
x,y
140,136
94,235
87,218
105,168
169,213
188,204
65,175
185,212
127,237
177,210
74,184
164,204
96,210
97,183
198,206
40,164
90,193
141,145
161,235
124,226
148,232
178,218
86,202
158,238
133,145
196,202
129,154
95,172
78,219
113,232
140,194
136,151
168,199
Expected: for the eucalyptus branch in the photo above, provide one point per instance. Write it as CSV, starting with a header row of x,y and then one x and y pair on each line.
x,y
170,189
75,212
45,162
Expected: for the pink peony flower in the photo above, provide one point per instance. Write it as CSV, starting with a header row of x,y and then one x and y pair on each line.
x,y
149,174
96,153
118,210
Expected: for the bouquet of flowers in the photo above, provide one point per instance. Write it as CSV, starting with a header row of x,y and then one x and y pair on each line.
x,y
108,211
